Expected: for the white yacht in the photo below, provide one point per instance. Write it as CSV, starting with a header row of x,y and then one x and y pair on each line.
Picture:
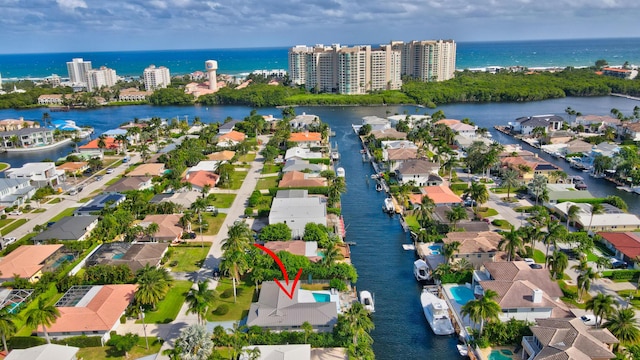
x,y
421,270
437,313
388,206
366,299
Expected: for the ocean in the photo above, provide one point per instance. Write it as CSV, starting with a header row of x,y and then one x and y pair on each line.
x,y
539,53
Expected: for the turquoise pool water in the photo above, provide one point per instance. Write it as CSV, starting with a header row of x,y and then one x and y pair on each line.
x,y
118,256
462,294
322,297
435,249
499,355
60,260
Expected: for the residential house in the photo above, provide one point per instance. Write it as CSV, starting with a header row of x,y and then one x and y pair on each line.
x,y
184,197
205,165
396,152
275,311
578,146
134,255
558,137
597,122
613,219
306,139
45,352
132,94
476,247
227,127
304,122
376,123
564,192
99,203
220,156
412,120
69,228
625,245
50,99
389,134
297,179
147,170
441,195
91,310
630,130
420,172
302,153
17,124
529,167
26,138
15,192
28,261
231,139
459,127
620,73
297,209
555,339
40,174
525,125
524,293
465,141
130,184
301,165
74,167
296,247
200,179
169,229
92,146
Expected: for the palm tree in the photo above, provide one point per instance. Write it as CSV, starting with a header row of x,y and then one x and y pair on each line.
x,y
483,309
331,255
557,263
555,232
7,326
42,314
595,209
239,238
122,141
102,143
200,299
602,306
584,281
449,249
359,324
151,230
510,180
456,214
572,214
427,207
538,185
624,325
153,285
511,243
479,193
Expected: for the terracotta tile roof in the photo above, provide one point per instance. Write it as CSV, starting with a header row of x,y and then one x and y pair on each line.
x,y
93,144
627,243
225,155
168,225
101,313
402,154
236,136
520,270
448,122
472,242
635,126
305,136
441,194
72,166
202,178
300,179
26,260
152,169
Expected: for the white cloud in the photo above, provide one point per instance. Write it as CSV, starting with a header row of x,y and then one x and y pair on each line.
x,y
71,5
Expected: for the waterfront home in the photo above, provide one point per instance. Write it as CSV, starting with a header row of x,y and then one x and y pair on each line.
x,y
613,219
464,141
40,174
28,261
297,209
227,127
46,351
15,192
441,195
577,146
376,123
302,153
230,139
297,352
596,122
169,229
135,256
132,94
224,155
308,249
275,311
297,179
630,130
200,179
74,167
306,139
100,202
620,73
564,192
91,310
554,339
69,228
395,152
304,122
625,245
17,124
182,197
204,165
92,146
524,293
418,171
130,184
411,120
476,247
529,167
459,127
389,134
301,165
50,99
525,125
150,169
558,137
27,138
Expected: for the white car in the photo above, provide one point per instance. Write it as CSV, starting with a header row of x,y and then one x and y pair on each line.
x,y
109,170
589,320
16,212
529,261
210,209
8,240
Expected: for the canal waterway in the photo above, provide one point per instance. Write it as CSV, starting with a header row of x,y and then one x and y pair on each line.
x,y
384,268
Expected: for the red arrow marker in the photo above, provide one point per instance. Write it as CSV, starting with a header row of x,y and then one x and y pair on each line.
x,y
284,272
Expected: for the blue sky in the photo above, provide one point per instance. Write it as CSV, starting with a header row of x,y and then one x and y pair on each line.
x,y
28,26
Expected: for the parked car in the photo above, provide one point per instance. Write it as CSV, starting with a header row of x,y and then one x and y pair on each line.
x,y
99,177
529,261
589,320
15,212
8,240
73,192
535,266
109,170
210,208
618,264
571,253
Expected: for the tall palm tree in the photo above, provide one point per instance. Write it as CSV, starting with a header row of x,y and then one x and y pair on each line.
x,y
42,314
572,214
511,243
331,255
449,249
200,299
557,263
456,214
483,309
624,325
235,248
479,193
359,324
151,230
427,207
555,232
510,180
7,326
102,144
602,306
595,209
153,285
584,281
538,185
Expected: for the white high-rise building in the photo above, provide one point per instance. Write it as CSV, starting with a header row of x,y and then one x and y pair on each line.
x,y
78,69
98,78
428,60
156,77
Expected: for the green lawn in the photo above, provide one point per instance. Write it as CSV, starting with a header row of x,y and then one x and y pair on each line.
x,y
14,225
169,307
538,256
237,178
38,211
107,352
5,222
85,200
65,212
51,296
215,223
592,257
238,310
271,169
188,258
113,181
487,213
4,166
223,200
412,222
247,157
268,182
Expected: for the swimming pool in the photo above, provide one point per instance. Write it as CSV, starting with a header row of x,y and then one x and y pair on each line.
x,y
462,294
118,256
320,297
61,259
435,249
500,354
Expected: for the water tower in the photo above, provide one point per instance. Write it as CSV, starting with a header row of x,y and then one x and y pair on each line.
x,y
212,66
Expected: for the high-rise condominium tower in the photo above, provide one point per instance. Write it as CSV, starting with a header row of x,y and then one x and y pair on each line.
x,y
78,70
156,77
97,78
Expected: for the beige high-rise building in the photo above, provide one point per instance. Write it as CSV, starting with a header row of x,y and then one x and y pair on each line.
x,y
156,77
77,69
98,78
427,60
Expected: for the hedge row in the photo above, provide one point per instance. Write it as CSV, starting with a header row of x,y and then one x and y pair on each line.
x,y
319,161
625,274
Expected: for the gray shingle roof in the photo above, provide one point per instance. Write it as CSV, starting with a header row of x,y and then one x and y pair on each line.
x,y
67,228
571,339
